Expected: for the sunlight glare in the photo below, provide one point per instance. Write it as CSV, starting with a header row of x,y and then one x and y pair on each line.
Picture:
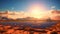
x,y
37,11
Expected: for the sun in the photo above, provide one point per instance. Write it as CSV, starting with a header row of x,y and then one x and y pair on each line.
x,y
36,11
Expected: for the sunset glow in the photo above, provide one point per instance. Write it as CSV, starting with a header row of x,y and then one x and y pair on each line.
x,y
29,16
37,11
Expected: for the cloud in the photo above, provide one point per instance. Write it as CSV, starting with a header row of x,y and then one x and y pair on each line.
x,y
54,14
52,7
24,14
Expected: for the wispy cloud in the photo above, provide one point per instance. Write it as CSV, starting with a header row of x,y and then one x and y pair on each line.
x,y
53,7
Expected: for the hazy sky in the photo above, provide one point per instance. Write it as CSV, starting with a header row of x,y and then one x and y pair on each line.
x,y
23,5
